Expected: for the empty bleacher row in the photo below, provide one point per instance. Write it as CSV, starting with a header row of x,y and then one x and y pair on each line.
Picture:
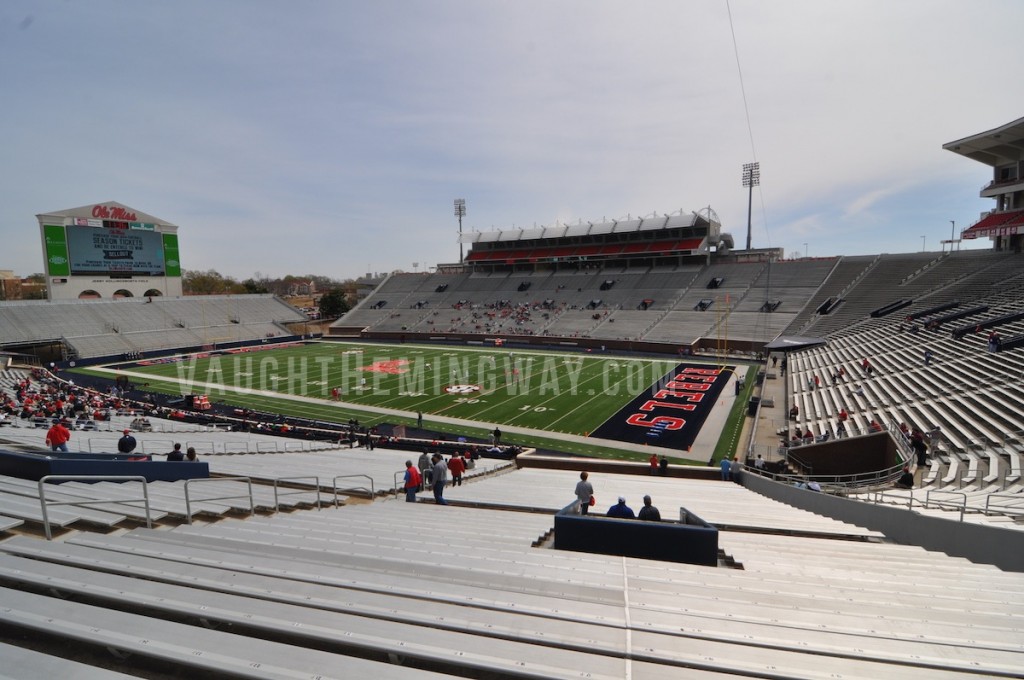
x,y
935,277
404,590
112,327
654,304
930,378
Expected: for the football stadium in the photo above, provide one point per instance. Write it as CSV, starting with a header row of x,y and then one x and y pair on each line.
x,y
825,455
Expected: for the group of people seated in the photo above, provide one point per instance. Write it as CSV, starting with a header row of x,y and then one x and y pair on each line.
x,y
648,513
40,400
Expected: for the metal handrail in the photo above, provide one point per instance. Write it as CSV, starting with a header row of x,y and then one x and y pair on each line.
x,y
1013,496
188,504
395,480
316,482
94,478
941,504
373,493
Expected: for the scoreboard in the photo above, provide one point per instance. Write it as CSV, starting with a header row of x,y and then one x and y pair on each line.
x,y
110,248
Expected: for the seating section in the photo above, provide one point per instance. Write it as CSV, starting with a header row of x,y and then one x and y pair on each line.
x,y
928,374
357,591
93,328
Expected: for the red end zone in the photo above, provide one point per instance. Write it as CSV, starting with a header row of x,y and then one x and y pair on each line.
x,y
672,411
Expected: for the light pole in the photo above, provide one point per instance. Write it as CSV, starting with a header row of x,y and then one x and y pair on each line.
x,y
751,179
923,237
460,212
805,251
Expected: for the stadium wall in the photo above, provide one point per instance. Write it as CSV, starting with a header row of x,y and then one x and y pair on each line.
x,y
703,345
1003,548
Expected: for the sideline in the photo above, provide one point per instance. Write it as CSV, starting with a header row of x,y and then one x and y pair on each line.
x,y
379,410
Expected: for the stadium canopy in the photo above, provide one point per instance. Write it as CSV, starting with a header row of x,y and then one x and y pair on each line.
x,y
999,146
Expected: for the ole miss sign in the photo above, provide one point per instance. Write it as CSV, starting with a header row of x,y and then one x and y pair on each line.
x,y
671,412
107,212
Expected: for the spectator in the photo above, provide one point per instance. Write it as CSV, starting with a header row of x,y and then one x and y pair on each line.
x,y
584,493
840,429
620,510
456,466
58,436
843,415
920,447
906,480
794,412
726,467
653,460
423,463
735,469
175,456
190,455
928,357
413,479
663,465
127,443
759,462
440,474
649,513
813,486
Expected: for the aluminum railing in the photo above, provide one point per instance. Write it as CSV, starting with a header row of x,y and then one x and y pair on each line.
x,y
205,480
90,478
372,493
295,492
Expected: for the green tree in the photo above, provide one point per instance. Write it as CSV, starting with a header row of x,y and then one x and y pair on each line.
x,y
210,282
254,286
333,303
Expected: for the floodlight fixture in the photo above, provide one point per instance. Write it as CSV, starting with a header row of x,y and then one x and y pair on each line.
x,y
460,212
751,179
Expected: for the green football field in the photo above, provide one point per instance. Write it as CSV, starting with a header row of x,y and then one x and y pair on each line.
x,y
561,392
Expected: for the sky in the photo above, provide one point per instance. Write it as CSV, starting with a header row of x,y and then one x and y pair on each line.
x,y
332,136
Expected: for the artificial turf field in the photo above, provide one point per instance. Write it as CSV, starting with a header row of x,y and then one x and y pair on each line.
x,y
547,391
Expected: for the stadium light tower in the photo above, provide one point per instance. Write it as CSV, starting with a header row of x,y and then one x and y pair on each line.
x,y
460,212
751,179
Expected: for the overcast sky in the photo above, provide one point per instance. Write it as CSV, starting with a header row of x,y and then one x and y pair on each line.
x,y
331,137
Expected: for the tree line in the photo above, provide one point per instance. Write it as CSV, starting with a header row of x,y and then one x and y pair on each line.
x,y
334,296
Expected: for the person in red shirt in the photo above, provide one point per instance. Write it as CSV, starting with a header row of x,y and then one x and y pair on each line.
x,y
456,466
57,437
653,460
412,481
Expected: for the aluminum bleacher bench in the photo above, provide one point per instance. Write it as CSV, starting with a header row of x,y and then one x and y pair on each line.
x,y
182,646
26,664
718,645
8,523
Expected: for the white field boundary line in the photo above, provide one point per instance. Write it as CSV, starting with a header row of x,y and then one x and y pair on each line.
x,y
460,422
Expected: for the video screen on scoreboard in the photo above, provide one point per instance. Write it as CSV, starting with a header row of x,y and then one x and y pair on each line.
x,y
93,250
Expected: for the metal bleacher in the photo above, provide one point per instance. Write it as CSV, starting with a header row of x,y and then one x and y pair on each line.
x,y
93,328
416,590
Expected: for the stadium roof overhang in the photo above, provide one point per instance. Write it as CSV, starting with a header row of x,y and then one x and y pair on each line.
x,y
999,146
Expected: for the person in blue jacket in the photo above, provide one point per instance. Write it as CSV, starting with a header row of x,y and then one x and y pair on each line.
x,y
621,510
